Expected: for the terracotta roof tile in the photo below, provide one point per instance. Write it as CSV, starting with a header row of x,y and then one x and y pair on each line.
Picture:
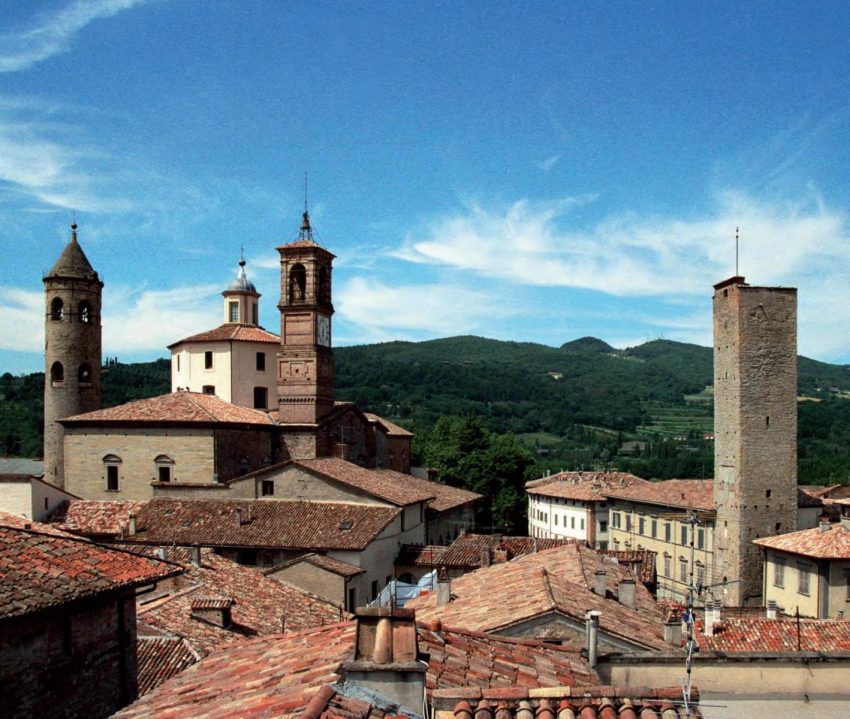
x,y
177,407
400,489
831,543
39,570
392,429
583,486
759,634
343,569
421,555
285,671
259,606
548,582
686,493
232,333
160,658
445,496
468,549
283,524
641,561
93,517
810,497
16,521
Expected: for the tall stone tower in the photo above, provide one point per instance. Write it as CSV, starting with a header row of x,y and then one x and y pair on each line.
x,y
72,349
755,428
305,362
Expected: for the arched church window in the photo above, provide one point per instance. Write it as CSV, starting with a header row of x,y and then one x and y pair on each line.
x,y
297,283
57,309
84,374
57,373
324,285
84,311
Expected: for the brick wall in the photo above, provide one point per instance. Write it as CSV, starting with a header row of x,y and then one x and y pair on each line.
x,y
78,661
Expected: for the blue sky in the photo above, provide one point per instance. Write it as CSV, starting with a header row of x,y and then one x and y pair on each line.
x,y
533,171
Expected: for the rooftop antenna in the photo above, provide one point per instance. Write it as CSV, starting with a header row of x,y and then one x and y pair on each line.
x,y
306,233
736,252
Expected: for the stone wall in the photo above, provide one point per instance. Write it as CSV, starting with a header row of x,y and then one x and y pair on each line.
x,y
321,582
238,452
78,661
755,425
85,448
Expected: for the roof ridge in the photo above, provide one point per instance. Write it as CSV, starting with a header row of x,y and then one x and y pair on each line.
x,y
191,397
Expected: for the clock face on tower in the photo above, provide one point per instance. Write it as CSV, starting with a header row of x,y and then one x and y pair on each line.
x,y
323,330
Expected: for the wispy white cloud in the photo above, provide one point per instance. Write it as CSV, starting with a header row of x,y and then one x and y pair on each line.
x,y
134,319
51,34
382,312
548,163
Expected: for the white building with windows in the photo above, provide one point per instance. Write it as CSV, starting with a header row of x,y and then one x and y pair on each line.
x,y
573,505
235,361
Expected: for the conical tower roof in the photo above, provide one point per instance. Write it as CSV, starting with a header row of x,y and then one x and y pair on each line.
x,y
73,261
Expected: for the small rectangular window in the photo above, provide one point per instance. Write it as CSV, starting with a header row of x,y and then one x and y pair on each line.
x,y
572,522
684,535
700,538
208,360
668,532
255,317
261,361
615,520
178,362
641,525
683,570
803,579
603,526
164,473
779,573
666,565
628,522
654,528
352,599
267,488
374,589
112,477
233,310
582,523
208,389
261,397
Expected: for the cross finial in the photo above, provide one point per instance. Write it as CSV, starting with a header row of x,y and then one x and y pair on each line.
x,y
241,255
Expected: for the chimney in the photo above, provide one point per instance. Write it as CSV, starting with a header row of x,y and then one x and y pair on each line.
x,y
599,583
196,556
718,607
708,630
771,609
591,622
673,631
161,552
500,556
626,593
239,516
824,526
215,610
485,556
444,589
386,656
131,529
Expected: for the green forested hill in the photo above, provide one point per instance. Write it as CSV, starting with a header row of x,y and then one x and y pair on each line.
x,y
581,405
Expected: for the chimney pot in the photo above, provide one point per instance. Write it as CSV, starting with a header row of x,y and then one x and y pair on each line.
x,y
592,634
599,582
771,609
444,590
196,556
626,593
485,556
131,530
239,516
673,631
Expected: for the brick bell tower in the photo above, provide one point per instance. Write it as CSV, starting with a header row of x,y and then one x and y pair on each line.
x,y
305,362
72,349
755,429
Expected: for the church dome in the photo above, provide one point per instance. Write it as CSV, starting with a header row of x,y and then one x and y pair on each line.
x,y
241,283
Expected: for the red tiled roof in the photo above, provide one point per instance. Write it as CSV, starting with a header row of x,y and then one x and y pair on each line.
x,y
832,543
93,517
759,634
283,524
445,496
392,429
259,606
467,549
160,658
271,676
461,658
421,555
582,486
39,570
808,498
232,333
323,561
599,702
176,407
641,561
16,521
555,581
686,493
386,484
